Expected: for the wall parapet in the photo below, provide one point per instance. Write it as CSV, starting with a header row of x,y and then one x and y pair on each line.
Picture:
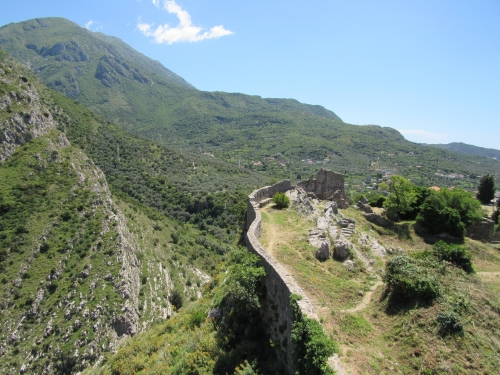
x,y
276,310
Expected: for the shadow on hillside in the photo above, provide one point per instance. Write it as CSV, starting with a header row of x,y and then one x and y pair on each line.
x,y
431,239
398,304
402,230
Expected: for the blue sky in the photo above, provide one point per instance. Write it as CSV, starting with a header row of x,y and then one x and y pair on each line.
x,y
430,69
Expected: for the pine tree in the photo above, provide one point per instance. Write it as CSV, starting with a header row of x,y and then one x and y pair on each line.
x,y
486,189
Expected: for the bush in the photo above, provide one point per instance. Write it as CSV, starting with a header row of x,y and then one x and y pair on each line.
x,y
176,299
458,255
486,189
402,197
409,280
437,217
464,203
311,346
449,323
281,200
375,199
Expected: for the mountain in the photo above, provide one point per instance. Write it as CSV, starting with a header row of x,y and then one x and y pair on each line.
x,y
277,137
464,148
102,234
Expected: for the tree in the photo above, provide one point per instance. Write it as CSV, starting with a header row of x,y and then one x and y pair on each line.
x,y
436,216
281,200
464,203
402,197
486,189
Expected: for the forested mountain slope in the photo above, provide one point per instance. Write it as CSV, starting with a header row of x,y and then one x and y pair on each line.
x,y
84,266
464,148
280,137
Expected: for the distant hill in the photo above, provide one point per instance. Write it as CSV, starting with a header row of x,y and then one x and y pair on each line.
x,y
277,137
464,148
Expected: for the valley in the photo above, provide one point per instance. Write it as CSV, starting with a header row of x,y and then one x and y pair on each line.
x,y
124,221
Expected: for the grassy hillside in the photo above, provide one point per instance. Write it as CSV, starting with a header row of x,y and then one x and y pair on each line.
x,y
379,331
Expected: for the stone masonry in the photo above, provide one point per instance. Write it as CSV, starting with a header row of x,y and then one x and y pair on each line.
x,y
327,185
276,311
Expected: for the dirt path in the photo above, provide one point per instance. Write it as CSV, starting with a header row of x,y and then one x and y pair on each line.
x,y
367,298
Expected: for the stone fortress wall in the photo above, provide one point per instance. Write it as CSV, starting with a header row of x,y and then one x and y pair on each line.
x,y
276,310
325,185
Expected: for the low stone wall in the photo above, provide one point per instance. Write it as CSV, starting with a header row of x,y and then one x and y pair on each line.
x,y
482,231
276,310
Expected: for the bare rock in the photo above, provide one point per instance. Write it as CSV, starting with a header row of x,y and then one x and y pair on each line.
x,y
317,237
377,219
126,322
331,209
364,207
323,252
342,249
377,248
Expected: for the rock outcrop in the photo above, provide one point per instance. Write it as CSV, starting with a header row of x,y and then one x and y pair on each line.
x,y
377,219
32,120
364,207
342,249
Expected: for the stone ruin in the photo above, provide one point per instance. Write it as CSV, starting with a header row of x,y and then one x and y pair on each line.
x,y
327,185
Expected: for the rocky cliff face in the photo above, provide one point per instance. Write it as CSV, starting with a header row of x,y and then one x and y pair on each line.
x,y
80,270
23,117
70,272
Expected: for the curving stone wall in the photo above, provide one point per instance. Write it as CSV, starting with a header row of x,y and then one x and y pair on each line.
x,y
276,310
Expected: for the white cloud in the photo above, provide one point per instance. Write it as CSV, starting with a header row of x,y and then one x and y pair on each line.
x,y
423,135
185,31
97,25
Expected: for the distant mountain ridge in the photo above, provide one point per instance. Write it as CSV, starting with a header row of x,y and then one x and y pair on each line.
x,y
109,76
464,148
280,137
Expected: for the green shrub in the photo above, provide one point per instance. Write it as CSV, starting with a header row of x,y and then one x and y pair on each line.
x,y
196,318
411,281
464,203
311,346
449,323
458,255
437,217
375,199
281,200
175,299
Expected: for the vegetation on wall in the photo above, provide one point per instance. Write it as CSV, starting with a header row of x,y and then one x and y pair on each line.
x,y
312,347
